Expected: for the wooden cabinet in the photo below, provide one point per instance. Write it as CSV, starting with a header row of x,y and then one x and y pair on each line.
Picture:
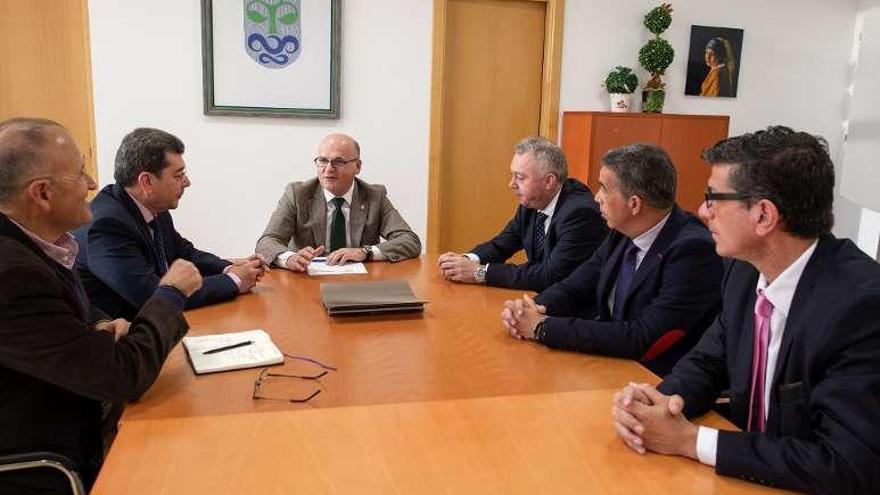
x,y
587,136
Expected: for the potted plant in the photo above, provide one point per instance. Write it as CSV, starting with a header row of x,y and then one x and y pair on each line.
x,y
620,83
655,57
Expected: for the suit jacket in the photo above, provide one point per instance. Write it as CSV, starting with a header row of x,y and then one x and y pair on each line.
x,y
55,369
676,287
117,257
823,426
300,220
576,230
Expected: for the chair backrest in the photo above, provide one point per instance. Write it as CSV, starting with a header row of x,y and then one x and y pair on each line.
x,y
33,460
663,344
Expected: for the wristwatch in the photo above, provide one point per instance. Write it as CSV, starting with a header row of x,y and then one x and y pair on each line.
x,y
368,253
540,329
480,273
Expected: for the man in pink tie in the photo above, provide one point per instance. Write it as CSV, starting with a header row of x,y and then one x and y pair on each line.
x,y
797,343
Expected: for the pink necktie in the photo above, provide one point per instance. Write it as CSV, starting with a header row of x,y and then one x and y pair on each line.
x,y
763,310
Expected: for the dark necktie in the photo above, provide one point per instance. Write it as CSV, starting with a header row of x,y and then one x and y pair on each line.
x,y
763,312
337,226
624,279
540,220
159,247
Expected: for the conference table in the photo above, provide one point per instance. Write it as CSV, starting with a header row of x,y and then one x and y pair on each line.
x,y
441,401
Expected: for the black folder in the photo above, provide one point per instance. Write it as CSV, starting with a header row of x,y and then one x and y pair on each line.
x,y
383,296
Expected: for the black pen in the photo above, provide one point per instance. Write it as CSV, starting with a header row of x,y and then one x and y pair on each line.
x,y
228,347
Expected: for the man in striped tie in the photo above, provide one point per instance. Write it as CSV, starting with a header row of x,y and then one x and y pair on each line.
x,y
797,343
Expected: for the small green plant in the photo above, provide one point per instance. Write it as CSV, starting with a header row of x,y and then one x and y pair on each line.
x,y
657,54
621,80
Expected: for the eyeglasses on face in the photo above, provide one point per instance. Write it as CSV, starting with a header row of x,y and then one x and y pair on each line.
x,y
712,196
337,163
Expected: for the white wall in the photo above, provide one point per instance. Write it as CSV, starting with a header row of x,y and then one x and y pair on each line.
x,y
795,64
147,71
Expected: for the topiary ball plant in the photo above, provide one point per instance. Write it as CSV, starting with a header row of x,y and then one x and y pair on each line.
x,y
621,80
656,56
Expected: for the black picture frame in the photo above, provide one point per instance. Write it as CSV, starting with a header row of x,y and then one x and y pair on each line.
x,y
730,41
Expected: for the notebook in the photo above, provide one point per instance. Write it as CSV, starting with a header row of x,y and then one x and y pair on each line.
x,y
260,352
386,296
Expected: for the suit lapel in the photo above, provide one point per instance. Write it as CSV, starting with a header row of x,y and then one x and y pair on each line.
x,y
608,276
655,253
139,223
357,216
318,214
797,313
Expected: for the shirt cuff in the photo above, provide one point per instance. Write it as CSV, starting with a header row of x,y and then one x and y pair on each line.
x,y
707,445
472,257
281,259
378,255
235,278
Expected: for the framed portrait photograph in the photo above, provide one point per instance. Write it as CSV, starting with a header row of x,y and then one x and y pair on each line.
x,y
271,58
714,61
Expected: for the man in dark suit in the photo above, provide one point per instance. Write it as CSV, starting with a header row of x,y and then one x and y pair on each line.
x,y
557,224
62,362
797,343
132,240
337,214
649,291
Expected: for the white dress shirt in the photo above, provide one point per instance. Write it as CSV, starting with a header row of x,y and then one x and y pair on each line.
x,y
547,210
780,293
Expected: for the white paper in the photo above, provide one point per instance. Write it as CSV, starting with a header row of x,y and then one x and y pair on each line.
x,y
322,268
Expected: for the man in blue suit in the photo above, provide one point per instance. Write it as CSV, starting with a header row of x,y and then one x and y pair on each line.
x,y
797,343
557,224
649,291
131,240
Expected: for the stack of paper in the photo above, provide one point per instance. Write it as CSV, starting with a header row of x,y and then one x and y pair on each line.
x,y
369,297
231,351
318,266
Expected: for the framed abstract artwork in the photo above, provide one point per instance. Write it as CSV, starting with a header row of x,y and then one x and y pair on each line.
x,y
714,61
271,58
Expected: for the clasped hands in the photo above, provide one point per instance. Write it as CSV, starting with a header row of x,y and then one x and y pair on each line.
x,y
457,267
299,261
520,317
646,419
249,270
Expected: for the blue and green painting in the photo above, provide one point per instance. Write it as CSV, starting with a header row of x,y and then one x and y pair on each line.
x,y
272,32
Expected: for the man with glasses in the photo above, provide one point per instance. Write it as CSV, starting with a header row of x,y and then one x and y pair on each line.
x,y
132,241
557,224
652,287
64,365
337,214
797,342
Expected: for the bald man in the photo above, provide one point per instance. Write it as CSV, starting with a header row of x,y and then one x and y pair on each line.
x,y
64,365
336,214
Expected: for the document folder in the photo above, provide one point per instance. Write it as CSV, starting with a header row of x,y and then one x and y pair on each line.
x,y
385,296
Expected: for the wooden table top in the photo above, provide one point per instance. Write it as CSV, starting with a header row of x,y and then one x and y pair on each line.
x,y
456,349
539,443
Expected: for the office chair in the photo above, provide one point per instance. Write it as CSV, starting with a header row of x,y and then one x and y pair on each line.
x,y
32,460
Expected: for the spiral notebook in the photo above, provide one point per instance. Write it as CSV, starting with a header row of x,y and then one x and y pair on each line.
x,y
231,351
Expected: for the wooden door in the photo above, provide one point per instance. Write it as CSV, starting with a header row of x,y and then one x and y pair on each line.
x,y
45,68
491,89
